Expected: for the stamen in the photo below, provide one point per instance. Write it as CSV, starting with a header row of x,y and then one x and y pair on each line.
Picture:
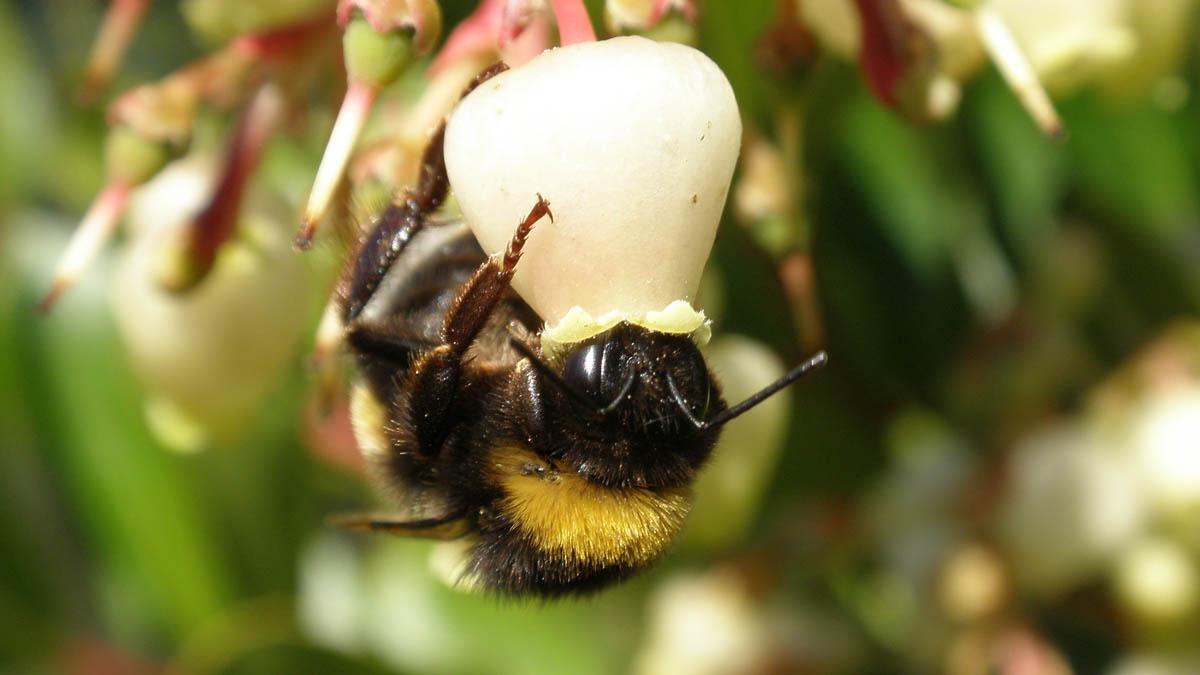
x,y
1017,71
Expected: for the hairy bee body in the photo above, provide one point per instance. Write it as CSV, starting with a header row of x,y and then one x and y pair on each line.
x,y
568,468
555,503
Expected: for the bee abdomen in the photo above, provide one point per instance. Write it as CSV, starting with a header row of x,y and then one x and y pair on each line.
x,y
554,532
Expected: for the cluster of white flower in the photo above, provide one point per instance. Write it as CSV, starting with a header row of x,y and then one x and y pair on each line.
x,y
1104,500
1124,46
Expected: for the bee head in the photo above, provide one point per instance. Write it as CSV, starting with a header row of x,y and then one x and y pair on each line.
x,y
629,405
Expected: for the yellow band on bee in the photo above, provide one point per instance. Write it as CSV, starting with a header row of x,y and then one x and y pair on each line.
x,y
574,519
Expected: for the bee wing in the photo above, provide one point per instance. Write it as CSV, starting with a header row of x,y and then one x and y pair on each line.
x,y
438,259
451,527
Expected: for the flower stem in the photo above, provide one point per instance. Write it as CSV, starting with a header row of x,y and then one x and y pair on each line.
x,y
574,25
218,221
350,120
1017,71
476,34
883,58
94,230
283,43
120,23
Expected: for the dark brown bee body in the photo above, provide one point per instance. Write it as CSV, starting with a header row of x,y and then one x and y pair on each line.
x,y
513,448
567,470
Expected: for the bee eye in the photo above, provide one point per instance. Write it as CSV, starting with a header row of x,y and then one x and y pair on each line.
x,y
584,368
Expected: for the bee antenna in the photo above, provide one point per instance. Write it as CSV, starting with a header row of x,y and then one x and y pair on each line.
x,y
818,360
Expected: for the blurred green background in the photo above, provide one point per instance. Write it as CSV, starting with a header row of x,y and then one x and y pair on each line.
x,y
999,472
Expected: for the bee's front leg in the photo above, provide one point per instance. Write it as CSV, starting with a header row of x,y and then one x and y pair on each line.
x,y
434,377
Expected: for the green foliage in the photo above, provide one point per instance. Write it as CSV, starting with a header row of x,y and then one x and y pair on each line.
x,y
970,275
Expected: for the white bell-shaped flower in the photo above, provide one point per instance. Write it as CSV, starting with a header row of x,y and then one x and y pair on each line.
x,y
633,142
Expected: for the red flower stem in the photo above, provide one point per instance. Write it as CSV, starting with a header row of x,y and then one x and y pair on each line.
x,y
574,24
218,221
350,120
883,59
89,238
282,43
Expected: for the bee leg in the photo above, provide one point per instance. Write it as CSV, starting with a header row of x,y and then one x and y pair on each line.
x,y
401,220
434,377
394,228
443,529
484,290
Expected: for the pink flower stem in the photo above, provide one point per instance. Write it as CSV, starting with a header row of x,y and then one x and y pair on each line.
x,y
350,120
89,238
477,34
574,24
120,23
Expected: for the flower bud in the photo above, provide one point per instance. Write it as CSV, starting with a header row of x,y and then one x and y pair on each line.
x,y
372,58
973,584
207,357
1070,508
380,40
659,17
1166,449
1157,580
421,19
188,261
217,21
1069,42
704,624
133,159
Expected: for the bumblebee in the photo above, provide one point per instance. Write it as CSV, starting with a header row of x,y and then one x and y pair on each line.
x,y
569,471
